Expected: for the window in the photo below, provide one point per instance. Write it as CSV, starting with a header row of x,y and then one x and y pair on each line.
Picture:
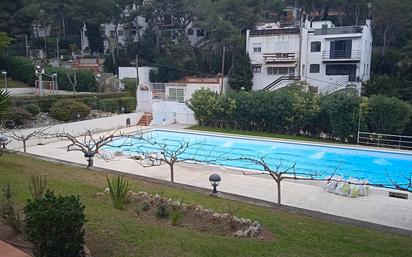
x,y
190,31
112,33
314,68
257,48
315,46
177,94
256,68
200,32
342,69
120,32
340,49
281,70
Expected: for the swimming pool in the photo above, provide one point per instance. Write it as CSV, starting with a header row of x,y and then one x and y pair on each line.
x,y
372,165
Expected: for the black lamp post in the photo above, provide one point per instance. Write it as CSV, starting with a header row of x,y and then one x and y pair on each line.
x,y
214,181
3,141
89,158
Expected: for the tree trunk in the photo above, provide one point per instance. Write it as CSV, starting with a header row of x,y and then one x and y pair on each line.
x,y
172,173
385,36
279,192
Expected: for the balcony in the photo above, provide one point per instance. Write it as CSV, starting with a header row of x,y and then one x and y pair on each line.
x,y
338,30
279,58
341,55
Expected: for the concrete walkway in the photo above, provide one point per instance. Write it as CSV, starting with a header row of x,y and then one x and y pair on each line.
x,y
376,208
7,250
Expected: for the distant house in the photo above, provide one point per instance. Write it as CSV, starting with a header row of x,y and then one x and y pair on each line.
x,y
317,53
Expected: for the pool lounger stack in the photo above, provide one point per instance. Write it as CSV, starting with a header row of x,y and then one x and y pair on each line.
x,y
352,187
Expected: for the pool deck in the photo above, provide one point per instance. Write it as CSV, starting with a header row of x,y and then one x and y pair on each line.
x,y
376,208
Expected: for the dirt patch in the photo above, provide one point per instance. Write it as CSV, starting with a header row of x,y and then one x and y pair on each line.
x,y
196,218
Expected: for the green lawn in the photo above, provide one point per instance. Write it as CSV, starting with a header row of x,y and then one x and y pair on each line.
x,y
263,134
11,83
112,233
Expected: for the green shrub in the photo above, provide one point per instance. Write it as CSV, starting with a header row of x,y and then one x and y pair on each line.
x,y
119,188
116,105
66,110
55,225
162,209
32,108
45,102
21,68
9,214
19,115
130,85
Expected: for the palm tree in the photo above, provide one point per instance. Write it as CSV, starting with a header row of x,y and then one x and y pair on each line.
x,y
4,103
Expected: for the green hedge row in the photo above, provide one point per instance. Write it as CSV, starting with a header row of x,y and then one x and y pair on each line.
x,y
292,111
94,101
22,69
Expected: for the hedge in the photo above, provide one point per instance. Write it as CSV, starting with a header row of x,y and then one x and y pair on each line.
x,y
292,111
69,109
45,102
116,105
19,68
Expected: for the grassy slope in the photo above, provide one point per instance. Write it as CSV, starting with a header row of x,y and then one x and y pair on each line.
x,y
263,134
113,233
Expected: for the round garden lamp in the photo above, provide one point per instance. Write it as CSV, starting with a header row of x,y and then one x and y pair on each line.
x,y
3,141
89,158
214,181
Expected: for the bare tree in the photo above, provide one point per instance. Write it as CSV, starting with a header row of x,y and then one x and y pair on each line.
x,y
170,154
24,137
72,82
278,175
89,144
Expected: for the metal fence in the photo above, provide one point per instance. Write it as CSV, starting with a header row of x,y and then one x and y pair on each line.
x,y
385,140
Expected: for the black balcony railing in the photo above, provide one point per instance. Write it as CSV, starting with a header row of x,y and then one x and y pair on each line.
x,y
342,54
338,30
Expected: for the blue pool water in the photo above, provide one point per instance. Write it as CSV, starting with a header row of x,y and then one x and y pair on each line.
x,y
220,150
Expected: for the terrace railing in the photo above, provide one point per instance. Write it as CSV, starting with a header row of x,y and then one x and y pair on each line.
x,y
385,140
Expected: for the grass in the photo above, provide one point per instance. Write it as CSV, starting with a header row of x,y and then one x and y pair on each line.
x,y
112,233
264,134
11,83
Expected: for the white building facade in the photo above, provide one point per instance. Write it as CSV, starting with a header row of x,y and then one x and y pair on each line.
x,y
326,57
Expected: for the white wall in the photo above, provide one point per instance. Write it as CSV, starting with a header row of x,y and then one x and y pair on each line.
x,y
167,112
144,74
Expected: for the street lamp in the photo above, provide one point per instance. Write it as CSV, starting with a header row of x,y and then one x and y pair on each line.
x,y
54,78
89,158
4,73
3,141
99,82
214,181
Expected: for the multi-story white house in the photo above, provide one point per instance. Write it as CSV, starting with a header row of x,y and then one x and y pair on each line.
x,y
318,53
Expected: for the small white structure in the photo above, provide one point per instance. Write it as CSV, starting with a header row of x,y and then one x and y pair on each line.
x,y
167,101
126,72
317,53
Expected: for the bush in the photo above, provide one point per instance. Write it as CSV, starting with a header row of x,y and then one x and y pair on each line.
x,y
119,191
21,68
8,211
66,110
162,210
387,115
33,109
176,213
55,225
45,102
19,115
130,85
116,105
